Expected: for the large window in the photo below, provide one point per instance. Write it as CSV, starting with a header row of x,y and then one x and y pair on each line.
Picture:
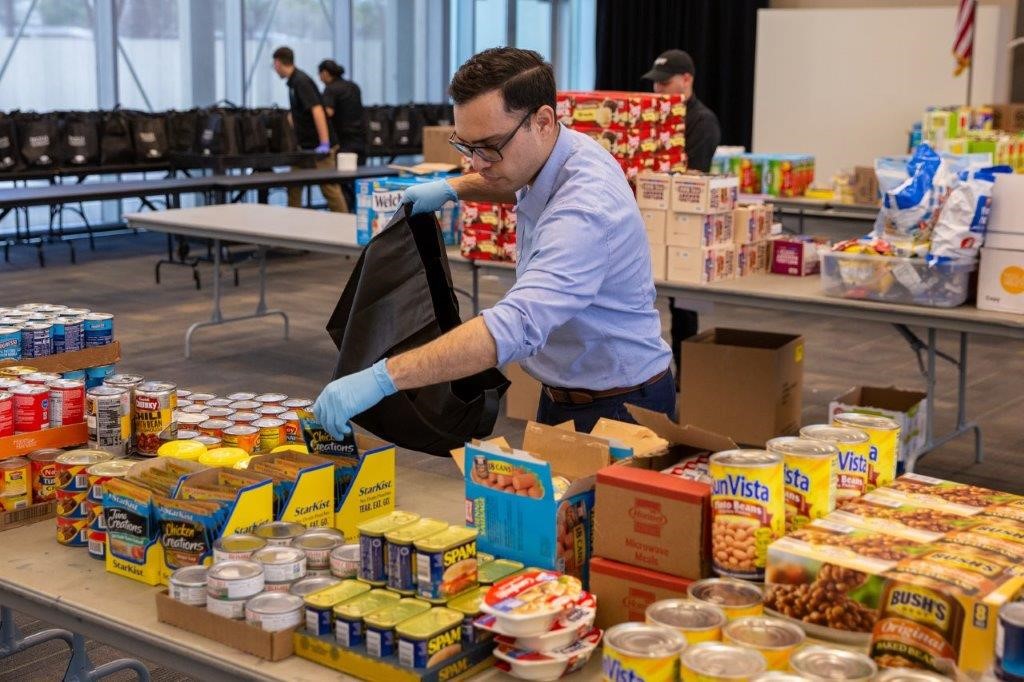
x,y
303,25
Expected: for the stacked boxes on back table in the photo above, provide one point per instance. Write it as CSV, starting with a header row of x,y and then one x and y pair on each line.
x,y
377,199
778,175
751,227
488,231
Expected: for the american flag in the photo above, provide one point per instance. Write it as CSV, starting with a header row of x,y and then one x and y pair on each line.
x,y
963,42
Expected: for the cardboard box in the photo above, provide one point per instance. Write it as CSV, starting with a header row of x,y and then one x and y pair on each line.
x,y
59,437
654,190
535,527
435,145
523,395
655,221
694,192
377,199
699,230
1001,280
650,519
68,362
237,634
906,407
751,223
626,591
311,501
796,256
325,651
865,185
659,261
371,492
744,383
752,259
488,231
1008,117
700,266
39,511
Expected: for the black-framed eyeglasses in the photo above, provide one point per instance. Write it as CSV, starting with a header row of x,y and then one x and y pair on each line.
x,y
491,153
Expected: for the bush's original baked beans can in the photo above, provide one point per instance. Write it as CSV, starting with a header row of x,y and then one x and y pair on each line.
x,y
811,475
748,510
883,453
854,450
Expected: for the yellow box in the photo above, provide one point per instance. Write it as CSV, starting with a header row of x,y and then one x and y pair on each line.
x,y
371,492
312,500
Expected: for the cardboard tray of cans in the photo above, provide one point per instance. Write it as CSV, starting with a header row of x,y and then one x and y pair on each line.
x,y
356,662
30,514
59,363
237,634
59,437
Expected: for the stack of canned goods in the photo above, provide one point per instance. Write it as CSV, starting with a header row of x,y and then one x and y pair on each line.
x,y
255,423
25,481
32,401
34,330
73,487
99,474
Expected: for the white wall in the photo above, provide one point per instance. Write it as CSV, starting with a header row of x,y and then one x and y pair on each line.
x,y
846,84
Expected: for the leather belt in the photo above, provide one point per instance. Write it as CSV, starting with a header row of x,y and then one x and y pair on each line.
x,y
582,396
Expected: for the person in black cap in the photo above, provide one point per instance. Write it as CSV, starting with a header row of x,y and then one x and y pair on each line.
x,y
343,103
673,73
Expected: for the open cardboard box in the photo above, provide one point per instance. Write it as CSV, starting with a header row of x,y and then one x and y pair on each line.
x,y
30,514
58,437
650,519
59,363
511,496
237,634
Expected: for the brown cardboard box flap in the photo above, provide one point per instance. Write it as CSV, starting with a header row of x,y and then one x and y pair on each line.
x,y
888,397
69,362
237,634
459,454
570,454
676,434
643,441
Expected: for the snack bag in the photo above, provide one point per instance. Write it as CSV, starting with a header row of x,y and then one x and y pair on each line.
x,y
960,230
320,442
909,209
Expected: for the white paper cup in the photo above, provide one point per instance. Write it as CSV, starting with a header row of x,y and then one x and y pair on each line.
x,y
347,161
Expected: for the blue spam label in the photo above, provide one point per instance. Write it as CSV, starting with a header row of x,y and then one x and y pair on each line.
x,y
401,575
380,642
348,633
10,343
372,562
319,621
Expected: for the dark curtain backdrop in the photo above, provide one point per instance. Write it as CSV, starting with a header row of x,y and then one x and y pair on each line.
x,y
720,35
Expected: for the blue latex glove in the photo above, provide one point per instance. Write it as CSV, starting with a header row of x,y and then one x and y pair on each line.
x,y
429,196
351,395
323,148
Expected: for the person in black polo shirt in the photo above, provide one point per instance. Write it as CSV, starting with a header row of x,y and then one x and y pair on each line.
x,y
344,105
310,123
673,72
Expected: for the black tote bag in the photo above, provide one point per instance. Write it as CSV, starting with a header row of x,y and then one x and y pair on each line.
x,y
399,297
81,139
39,135
10,155
378,129
149,136
182,131
253,126
116,139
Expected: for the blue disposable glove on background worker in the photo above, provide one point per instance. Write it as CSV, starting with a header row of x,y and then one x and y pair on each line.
x,y
323,148
429,196
344,398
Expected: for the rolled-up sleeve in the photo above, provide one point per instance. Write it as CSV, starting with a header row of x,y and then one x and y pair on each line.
x,y
567,265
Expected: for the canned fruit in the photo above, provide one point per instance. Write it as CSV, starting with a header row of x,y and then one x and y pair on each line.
x,y
854,451
718,662
736,598
883,455
532,665
696,621
429,638
775,638
811,474
637,651
15,477
748,509
531,602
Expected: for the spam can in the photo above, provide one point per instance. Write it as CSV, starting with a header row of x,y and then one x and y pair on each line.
x,y
748,510
468,604
320,605
446,563
883,454
429,638
380,625
854,447
372,545
811,474
400,553
638,651
490,572
349,628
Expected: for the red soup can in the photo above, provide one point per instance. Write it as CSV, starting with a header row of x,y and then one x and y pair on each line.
x,y
6,414
44,474
67,402
31,408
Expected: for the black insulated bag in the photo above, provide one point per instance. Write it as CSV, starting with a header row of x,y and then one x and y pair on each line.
x,y
149,137
219,132
10,156
39,135
116,139
399,297
378,130
80,139
182,131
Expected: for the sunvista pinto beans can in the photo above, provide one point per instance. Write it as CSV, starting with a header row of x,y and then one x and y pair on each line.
x,y
854,448
883,455
10,343
637,651
67,402
99,329
68,334
36,339
811,474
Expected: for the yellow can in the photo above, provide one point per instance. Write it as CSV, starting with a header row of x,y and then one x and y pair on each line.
x,y
736,598
182,449
694,620
225,457
854,450
811,474
748,510
718,662
776,639
638,651
883,455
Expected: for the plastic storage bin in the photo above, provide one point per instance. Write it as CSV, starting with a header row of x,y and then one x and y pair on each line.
x,y
896,280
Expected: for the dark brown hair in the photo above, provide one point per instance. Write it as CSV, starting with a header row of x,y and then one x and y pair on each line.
x,y
285,55
525,80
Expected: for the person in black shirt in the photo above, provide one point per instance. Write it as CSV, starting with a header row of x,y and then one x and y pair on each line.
x,y
343,103
309,120
673,73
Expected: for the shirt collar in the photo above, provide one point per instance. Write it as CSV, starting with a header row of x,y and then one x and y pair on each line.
x,y
533,198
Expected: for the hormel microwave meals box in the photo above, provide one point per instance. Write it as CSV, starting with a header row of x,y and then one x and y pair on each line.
x,y
626,591
694,192
698,229
651,519
535,504
653,190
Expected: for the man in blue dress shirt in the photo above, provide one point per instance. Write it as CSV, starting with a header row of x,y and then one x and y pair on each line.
x,y
580,317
